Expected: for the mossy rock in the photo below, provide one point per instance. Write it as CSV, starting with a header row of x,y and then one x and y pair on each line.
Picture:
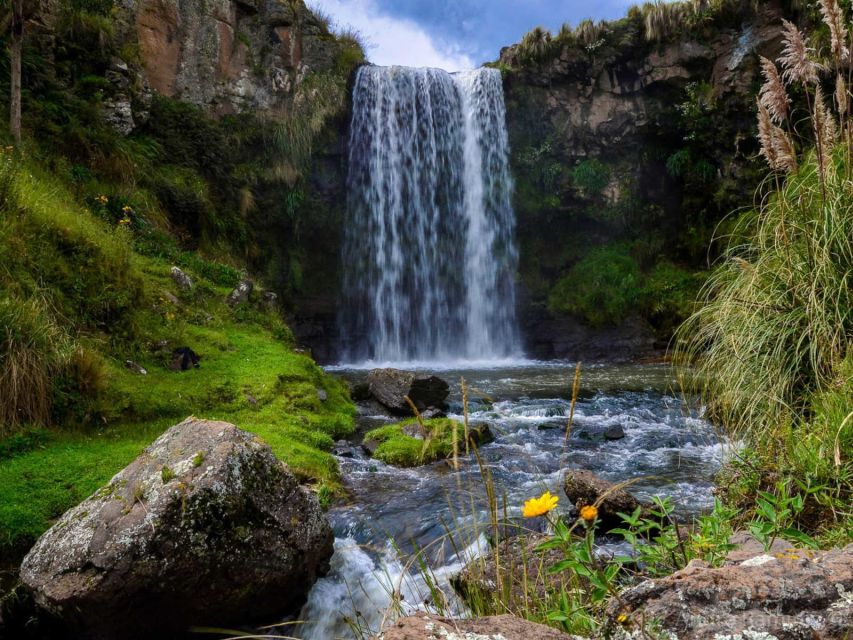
x,y
407,444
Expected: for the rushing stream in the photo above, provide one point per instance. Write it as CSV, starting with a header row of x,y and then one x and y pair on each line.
x,y
671,454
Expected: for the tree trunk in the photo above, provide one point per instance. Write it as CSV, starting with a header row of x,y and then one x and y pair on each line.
x,y
16,51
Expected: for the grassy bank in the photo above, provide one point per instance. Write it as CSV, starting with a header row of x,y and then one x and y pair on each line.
x,y
82,295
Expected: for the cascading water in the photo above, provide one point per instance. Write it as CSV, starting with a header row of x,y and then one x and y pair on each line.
x,y
429,255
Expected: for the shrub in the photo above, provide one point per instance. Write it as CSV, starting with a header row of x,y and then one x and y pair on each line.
x,y
602,288
591,176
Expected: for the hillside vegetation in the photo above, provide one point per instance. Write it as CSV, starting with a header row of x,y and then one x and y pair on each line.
x,y
91,224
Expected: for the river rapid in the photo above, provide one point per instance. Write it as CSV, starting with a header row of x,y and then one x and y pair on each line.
x,y
444,513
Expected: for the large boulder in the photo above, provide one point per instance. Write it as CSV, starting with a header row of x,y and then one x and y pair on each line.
x,y
206,527
787,595
505,627
585,488
391,386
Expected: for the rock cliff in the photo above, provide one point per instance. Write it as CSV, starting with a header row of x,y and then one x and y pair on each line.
x,y
634,145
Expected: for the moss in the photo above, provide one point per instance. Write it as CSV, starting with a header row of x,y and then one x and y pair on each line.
x,y
399,449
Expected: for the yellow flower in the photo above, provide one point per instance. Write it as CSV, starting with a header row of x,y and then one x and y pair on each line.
x,y
124,221
589,513
540,506
622,619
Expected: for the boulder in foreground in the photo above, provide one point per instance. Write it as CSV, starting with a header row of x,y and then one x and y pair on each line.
x,y
786,595
391,386
505,627
207,527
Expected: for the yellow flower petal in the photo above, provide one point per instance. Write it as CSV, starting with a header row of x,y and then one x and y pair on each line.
x,y
540,506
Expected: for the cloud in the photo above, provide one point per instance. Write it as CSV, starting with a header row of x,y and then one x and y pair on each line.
x,y
394,40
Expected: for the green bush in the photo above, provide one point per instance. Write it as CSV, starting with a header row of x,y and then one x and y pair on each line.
x,y
669,296
602,288
591,176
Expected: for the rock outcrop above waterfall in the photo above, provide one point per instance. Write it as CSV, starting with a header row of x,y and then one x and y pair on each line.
x,y
505,627
390,387
226,55
206,527
790,595
627,151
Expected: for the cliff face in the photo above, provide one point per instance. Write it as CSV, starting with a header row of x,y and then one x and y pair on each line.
x,y
226,56
634,147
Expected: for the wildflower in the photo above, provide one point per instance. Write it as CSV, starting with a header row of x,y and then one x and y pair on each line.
x,y
102,199
540,506
124,221
622,618
589,513
126,209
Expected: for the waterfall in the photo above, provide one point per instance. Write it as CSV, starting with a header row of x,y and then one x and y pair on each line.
x,y
429,255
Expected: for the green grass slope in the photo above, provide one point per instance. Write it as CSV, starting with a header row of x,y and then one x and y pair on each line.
x,y
77,300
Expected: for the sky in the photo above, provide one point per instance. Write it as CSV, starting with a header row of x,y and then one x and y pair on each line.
x,y
455,34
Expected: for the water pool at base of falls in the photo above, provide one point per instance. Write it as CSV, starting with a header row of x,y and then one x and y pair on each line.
x,y
393,511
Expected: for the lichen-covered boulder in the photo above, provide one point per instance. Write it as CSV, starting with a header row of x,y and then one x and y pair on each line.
x,y
206,527
786,595
391,386
505,627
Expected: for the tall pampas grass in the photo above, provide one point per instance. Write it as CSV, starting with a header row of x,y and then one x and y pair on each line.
x,y
773,96
834,19
797,56
775,322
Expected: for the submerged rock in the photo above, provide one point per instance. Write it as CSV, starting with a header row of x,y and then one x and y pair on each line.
x,y
586,488
206,527
505,627
615,432
391,386
787,595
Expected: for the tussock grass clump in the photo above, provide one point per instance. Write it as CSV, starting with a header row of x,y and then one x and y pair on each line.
x,y
535,45
777,318
33,349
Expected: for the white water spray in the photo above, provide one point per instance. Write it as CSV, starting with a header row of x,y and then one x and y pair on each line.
x,y
429,253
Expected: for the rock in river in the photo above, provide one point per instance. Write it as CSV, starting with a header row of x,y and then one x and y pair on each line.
x,y
584,487
390,386
206,527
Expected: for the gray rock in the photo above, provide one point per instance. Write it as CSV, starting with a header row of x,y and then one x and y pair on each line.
x,y
132,366
391,386
206,527
322,396
585,488
181,279
615,432
503,627
270,299
788,595
241,292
